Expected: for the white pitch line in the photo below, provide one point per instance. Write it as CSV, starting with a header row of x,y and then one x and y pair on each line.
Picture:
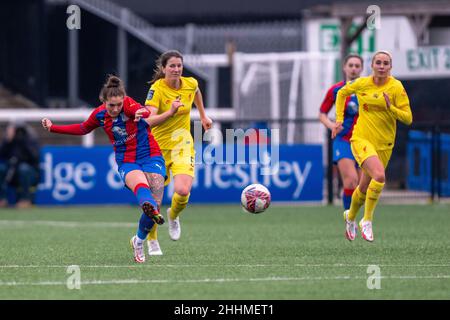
x,y
379,265
220,280
232,266
65,224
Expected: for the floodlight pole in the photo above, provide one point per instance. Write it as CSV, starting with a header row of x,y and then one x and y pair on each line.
x,y
122,49
73,68
347,40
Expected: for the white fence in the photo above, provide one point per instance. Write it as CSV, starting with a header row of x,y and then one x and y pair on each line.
x,y
79,115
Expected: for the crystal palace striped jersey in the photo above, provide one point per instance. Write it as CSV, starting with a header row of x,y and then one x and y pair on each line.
x,y
131,140
350,111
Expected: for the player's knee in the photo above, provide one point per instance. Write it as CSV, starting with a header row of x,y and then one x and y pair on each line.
x,y
379,176
183,191
351,183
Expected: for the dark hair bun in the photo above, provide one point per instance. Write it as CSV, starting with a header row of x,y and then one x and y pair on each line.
x,y
113,82
113,87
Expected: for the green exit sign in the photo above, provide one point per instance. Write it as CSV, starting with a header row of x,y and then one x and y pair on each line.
x,y
330,39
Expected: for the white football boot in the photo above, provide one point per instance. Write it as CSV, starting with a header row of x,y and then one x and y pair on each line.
x,y
366,230
153,248
174,227
350,227
138,250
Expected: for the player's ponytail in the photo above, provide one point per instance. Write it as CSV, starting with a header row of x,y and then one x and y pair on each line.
x,y
113,87
162,63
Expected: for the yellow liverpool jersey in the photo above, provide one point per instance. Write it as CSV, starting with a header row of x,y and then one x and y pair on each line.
x,y
376,123
175,131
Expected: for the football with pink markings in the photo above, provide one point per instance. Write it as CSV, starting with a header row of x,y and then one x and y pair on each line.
x,y
255,198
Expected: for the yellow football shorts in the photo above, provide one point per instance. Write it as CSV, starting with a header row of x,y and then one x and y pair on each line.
x,y
179,161
363,149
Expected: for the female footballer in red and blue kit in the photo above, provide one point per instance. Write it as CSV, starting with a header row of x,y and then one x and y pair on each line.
x,y
342,153
138,156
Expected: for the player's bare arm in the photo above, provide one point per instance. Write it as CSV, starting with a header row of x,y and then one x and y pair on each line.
x,y
155,119
326,121
198,100
336,129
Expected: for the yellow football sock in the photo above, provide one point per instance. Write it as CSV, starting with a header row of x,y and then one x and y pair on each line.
x,y
358,199
153,234
178,204
373,194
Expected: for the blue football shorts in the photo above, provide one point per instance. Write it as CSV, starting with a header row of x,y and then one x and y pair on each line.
x,y
341,150
150,164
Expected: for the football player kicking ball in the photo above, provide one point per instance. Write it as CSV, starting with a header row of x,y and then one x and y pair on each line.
x,y
382,101
138,156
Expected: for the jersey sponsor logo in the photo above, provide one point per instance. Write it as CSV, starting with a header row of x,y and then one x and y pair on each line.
x,y
150,94
119,131
365,107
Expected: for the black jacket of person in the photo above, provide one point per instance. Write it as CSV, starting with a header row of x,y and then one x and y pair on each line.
x,y
23,148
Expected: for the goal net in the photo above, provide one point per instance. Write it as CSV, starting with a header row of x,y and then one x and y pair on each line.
x,y
284,87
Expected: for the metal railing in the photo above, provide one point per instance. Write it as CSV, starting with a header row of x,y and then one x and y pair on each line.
x,y
130,22
278,36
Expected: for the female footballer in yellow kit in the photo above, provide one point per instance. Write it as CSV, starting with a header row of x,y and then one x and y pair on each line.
x,y
172,130
382,101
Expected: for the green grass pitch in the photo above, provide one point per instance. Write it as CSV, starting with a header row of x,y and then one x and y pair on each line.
x,y
283,253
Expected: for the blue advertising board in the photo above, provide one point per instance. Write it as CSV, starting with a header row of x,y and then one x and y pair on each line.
x,y
419,150
78,175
